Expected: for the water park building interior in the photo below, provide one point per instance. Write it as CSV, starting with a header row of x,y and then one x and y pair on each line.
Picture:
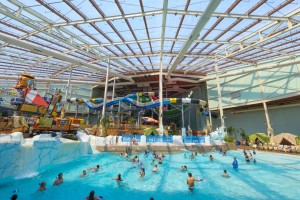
x,y
82,81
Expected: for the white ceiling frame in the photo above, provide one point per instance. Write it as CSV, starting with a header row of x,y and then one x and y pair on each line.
x,y
212,6
260,36
159,12
49,33
29,56
38,49
272,51
168,39
43,66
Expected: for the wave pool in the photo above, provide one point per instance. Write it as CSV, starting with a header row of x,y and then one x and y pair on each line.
x,y
274,176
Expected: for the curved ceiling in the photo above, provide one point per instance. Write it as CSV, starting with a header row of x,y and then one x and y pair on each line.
x,y
140,35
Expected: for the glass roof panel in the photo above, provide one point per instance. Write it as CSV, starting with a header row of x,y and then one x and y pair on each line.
x,y
47,13
88,9
108,7
244,6
113,36
152,5
130,6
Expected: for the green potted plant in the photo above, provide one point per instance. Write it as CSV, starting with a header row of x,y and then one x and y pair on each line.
x,y
104,123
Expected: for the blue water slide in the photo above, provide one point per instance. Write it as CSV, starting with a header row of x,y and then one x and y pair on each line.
x,y
128,99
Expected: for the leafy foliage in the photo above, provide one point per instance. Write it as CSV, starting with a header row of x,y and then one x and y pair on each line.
x,y
131,120
228,139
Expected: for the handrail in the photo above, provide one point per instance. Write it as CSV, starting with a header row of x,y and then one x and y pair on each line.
x,y
193,139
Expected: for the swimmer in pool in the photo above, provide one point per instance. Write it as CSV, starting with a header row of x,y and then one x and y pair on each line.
x,y
153,162
83,173
42,186
155,168
118,178
142,173
254,152
183,168
134,159
235,163
153,153
211,158
95,169
59,180
225,174
192,156
191,180
92,196
184,156
159,160
247,158
14,197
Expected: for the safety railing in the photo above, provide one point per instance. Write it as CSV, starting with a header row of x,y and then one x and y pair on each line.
x,y
130,138
193,139
159,138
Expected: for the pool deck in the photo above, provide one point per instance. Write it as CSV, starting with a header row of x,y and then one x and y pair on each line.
x,y
163,148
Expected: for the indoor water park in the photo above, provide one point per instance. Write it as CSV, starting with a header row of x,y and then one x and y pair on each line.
x,y
149,99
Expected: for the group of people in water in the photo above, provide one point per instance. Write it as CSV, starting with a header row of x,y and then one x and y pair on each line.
x,y
156,158
250,157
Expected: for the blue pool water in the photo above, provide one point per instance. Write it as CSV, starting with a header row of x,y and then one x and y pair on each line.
x,y
274,176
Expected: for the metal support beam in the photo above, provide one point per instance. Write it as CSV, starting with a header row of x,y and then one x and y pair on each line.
x,y
105,90
277,65
195,33
270,129
272,27
113,92
48,30
208,108
48,80
159,12
40,50
169,40
183,129
68,84
272,51
219,96
114,87
161,127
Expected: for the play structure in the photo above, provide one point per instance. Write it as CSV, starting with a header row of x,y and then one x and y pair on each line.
x,y
35,114
144,107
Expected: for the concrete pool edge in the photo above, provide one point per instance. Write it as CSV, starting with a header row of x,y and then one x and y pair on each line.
x,y
19,155
167,148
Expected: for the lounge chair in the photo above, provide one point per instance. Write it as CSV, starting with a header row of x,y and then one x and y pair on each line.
x,y
270,148
293,149
265,148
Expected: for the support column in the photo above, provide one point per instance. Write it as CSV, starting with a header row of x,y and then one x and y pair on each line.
x,y
161,127
270,130
164,21
183,129
209,112
105,90
113,96
68,84
219,95
113,92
